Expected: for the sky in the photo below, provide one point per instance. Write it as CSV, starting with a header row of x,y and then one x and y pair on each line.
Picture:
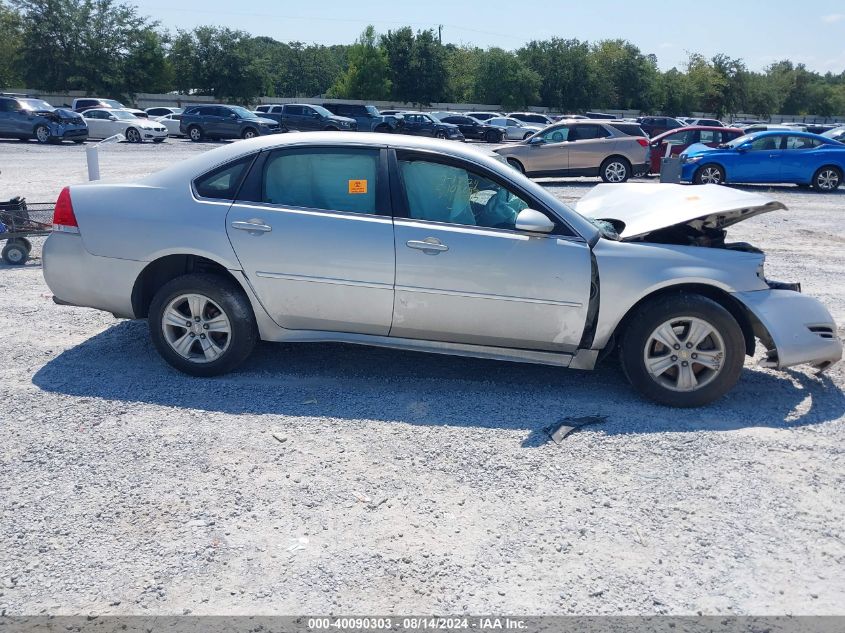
x,y
758,31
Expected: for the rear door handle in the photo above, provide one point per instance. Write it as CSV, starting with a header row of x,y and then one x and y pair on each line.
x,y
429,245
254,225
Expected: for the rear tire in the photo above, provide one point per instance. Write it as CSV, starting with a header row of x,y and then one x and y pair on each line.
x,y
615,169
710,174
827,179
682,350
202,324
195,133
15,253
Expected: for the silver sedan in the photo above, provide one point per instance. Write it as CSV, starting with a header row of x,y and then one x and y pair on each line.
x,y
426,245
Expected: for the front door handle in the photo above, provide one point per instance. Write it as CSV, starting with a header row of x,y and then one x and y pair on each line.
x,y
430,245
254,225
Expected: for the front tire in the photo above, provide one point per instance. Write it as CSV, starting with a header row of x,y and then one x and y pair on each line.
x,y
683,350
132,135
615,169
516,165
827,179
42,134
202,324
710,174
494,137
249,133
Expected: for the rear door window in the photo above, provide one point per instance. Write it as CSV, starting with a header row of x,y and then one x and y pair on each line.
x,y
326,179
584,132
222,183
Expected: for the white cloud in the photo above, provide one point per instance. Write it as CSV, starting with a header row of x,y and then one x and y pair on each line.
x,y
833,18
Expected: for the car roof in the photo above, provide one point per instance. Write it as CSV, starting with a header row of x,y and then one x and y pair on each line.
x,y
176,175
686,128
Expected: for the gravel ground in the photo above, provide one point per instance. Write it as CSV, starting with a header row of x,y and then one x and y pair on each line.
x,y
329,478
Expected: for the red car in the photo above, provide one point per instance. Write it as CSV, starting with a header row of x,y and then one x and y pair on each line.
x,y
683,137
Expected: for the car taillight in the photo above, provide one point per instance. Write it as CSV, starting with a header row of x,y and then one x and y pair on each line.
x,y
643,142
64,218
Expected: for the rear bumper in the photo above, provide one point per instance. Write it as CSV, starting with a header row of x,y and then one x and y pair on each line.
x,y
76,277
796,329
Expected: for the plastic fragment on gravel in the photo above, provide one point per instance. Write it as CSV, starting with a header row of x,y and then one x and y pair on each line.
x,y
564,427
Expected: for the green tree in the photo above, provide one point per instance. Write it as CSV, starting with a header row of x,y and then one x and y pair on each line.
x,y
428,68
505,80
367,74
10,45
564,71
462,67
399,47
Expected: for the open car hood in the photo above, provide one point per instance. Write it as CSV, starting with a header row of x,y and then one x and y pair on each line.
x,y
635,210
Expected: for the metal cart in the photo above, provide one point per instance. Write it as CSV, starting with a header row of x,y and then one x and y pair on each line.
x,y
18,221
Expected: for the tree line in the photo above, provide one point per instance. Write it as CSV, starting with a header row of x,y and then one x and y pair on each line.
x,y
108,48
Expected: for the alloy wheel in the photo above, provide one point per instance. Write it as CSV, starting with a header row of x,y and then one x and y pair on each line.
x,y
196,328
133,136
827,180
711,176
616,172
684,354
250,133
42,134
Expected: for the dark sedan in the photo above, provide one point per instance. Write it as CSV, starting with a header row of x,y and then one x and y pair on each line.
x,y
475,129
424,124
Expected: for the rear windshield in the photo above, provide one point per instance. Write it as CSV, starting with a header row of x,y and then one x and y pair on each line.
x,y
631,129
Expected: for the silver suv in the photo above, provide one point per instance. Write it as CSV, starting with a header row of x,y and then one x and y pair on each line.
x,y
580,148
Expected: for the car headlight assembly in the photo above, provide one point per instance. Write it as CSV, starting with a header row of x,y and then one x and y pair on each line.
x,y
691,159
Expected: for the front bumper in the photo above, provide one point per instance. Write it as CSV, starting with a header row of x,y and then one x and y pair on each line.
x,y
68,132
149,135
795,328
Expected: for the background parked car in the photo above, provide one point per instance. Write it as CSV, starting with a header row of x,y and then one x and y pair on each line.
x,y
423,124
87,103
475,129
513,129
26,117
483,116
762,127
682,138
172,123
837,134
768,157
163,111
580,148
367,117
303,117
703,122
106,122
654,125
224,121
532,118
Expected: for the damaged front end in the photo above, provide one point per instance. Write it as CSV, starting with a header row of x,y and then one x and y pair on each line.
x,y
795,329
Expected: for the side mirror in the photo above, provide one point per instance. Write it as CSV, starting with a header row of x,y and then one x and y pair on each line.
x,y
536,140
233,116
315,115
744,148
533,222
112,117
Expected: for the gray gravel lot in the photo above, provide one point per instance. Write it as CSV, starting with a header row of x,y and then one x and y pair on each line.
x,y
329,478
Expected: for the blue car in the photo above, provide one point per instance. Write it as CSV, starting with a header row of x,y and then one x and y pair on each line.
x,y
767,157
25,117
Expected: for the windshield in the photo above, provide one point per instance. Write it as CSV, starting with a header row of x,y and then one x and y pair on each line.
x,y
123,115
739,141
243,112
372,110
322,110
112,103
36,104
835,132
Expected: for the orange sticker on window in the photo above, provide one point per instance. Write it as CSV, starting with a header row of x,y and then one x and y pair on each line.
x,y
357,186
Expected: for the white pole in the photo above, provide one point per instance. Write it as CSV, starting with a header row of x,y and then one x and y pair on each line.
x,y
93,162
